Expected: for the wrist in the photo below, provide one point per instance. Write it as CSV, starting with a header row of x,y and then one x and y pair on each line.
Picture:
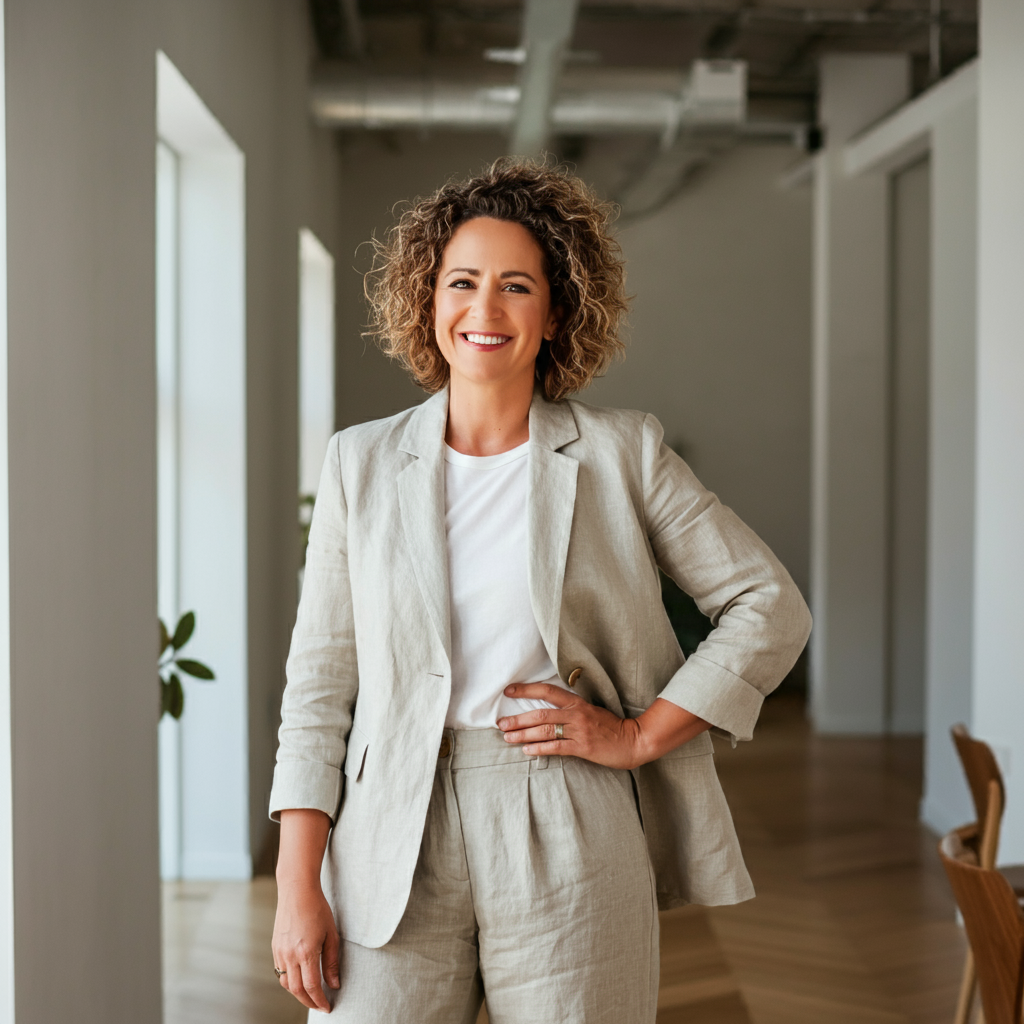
x,y
639,743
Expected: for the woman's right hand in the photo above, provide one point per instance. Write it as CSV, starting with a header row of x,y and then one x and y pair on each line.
x,y
305,937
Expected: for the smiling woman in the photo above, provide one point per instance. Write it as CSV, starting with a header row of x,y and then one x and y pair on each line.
x,y
487,712
580,267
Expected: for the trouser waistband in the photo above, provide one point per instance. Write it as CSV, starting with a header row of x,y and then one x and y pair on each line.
x,y
480,748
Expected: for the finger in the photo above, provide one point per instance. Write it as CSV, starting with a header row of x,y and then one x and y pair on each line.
x,y
312,982
528,718
332,974
556,695
537,734
551,748
293,977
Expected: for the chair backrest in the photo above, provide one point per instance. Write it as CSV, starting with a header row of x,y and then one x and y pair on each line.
x,y
981,768
995,929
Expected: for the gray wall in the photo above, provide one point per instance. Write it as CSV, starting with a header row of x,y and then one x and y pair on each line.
x,y
81,135
720,329
720,340
908,469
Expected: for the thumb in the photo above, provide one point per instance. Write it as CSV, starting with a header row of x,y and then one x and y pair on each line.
x,y
330,958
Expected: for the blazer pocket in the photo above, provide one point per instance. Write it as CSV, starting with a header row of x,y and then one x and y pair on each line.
x,y
356,754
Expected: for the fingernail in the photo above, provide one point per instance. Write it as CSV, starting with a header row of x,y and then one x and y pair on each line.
x,y
509,690
527,750
502,723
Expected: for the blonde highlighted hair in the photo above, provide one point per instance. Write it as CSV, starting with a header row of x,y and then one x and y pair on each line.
x,y
582,263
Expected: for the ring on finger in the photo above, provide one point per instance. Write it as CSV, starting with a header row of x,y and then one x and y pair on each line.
x,y
278,971
559,731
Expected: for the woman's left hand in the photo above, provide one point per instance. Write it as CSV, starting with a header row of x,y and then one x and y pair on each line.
x,y
588,731
594,733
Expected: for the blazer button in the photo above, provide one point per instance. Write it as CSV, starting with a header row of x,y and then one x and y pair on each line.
x,y
574,675
446,747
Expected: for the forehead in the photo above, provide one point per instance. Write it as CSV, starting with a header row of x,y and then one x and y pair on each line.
x,y
486,242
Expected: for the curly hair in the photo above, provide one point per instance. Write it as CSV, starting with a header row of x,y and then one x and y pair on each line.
x,y
582,263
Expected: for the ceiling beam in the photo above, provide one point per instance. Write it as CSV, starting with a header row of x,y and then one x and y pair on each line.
x,y
547,29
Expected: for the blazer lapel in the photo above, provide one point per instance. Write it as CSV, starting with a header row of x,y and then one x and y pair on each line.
x,y
552,499
421,501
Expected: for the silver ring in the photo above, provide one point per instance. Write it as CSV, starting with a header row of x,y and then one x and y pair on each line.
x,y
279,972
559,732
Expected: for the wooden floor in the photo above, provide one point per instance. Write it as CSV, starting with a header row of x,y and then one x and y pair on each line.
x,y
853,923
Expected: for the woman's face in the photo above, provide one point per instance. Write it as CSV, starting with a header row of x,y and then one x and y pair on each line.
x,y
492,303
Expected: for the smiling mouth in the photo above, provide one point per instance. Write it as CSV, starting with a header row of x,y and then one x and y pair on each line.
x,y
485,340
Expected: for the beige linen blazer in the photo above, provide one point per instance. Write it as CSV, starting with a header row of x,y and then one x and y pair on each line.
x,y
369,671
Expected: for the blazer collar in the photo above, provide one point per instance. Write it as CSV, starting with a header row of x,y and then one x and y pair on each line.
x,y
552,424
424,433
552,499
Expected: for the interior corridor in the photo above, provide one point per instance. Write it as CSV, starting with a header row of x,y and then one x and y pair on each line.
x,y
853,923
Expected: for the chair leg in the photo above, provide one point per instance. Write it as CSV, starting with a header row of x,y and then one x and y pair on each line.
x,y
963,1004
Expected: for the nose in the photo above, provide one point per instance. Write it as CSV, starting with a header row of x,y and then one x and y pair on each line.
x,y
486,303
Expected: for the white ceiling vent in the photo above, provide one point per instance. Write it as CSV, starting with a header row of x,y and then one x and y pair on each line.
x,y
718,91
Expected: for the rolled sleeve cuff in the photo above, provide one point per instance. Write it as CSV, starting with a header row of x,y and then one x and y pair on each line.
x,y
306,785
717,695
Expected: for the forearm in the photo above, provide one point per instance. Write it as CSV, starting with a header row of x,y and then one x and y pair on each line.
x,y
303,842
663,727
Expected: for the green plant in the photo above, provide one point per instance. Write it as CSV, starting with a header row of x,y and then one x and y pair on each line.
x,y
172,695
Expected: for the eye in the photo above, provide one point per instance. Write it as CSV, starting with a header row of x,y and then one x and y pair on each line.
x,y
461,284
518,288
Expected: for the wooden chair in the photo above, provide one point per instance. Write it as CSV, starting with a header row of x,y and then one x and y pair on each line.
x,y
995,929
981,837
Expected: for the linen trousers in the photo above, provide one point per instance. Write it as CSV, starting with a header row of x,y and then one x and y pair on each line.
x,y
533,890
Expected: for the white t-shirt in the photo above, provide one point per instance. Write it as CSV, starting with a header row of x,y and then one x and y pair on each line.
x,y
495,639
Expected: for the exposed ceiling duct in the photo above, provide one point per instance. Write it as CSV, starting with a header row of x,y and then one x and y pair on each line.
x,y
547,29
587,102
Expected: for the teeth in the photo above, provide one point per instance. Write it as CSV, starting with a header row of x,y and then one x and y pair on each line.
x,y
486,339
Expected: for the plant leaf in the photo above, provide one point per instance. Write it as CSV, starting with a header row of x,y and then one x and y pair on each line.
x,y
165,697
165,640
194,668
183,630
176,699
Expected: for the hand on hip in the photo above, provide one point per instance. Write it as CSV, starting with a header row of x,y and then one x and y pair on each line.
x,y
571,727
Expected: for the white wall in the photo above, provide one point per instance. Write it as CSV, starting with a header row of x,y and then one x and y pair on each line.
x,y
942,123
316,358
850,502
250,63
81,103
954,159
999,507
210,453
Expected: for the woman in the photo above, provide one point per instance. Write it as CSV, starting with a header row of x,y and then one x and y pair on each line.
x,y
488,725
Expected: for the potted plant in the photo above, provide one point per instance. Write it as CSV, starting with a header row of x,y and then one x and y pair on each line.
x,y
170,662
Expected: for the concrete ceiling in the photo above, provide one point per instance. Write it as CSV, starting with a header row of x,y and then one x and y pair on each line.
x,y
781,40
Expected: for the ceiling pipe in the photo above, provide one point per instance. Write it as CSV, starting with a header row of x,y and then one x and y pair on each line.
x,y
598,102
547,29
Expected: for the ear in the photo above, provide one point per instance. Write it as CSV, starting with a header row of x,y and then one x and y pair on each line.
x,y
554,323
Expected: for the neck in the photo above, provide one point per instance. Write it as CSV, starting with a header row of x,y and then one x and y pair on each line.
x,y
488,419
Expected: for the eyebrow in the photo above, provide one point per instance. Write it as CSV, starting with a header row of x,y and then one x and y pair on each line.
x,y
473,272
